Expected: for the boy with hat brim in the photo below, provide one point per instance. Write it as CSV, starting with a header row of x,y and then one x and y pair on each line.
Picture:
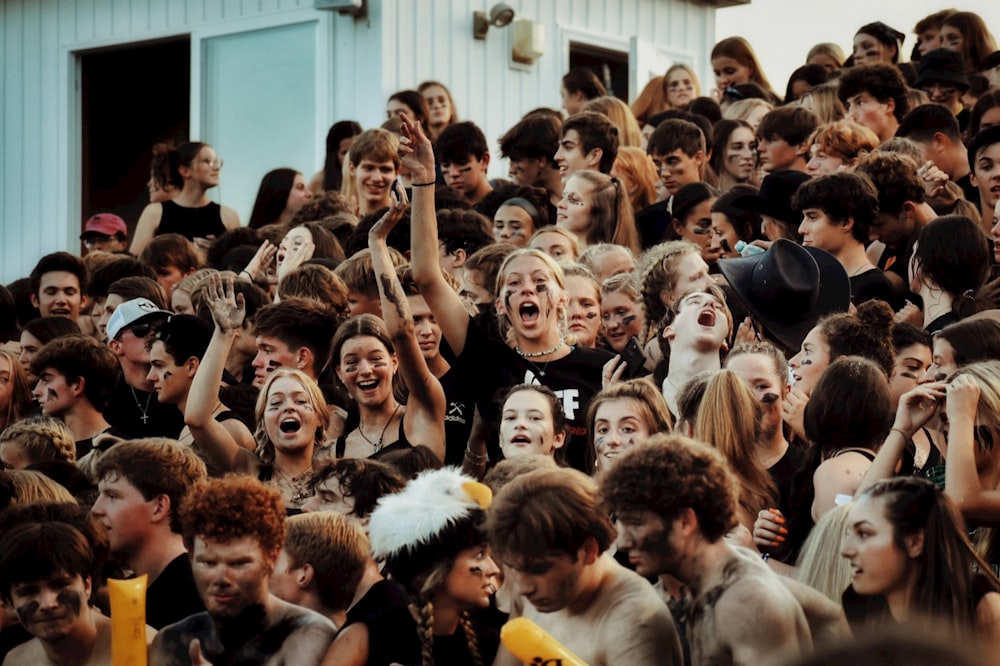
x,y
105,232
942,76
773,204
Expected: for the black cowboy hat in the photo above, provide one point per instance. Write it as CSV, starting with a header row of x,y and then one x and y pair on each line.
x,y
789,287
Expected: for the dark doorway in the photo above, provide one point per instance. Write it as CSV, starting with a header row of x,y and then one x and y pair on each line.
x,y
131,98
611,67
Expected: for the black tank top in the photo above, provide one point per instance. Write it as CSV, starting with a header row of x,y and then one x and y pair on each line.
x,y
191,222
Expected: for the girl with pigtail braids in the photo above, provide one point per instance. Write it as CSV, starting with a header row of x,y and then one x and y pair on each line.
x,y
432,540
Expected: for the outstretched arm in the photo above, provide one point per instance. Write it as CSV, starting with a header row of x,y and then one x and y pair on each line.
x,y
423,421
228,311
916,407
452,317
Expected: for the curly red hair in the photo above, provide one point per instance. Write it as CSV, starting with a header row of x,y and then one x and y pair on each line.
x,y
232,508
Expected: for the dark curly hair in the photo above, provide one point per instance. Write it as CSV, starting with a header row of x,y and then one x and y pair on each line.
x,y
670,473
868,334
234,507
883,82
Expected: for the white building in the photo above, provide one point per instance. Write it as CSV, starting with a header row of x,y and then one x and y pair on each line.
x,y
89,85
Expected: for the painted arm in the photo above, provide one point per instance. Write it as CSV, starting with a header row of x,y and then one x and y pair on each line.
x,y
228,311
423,421
418,156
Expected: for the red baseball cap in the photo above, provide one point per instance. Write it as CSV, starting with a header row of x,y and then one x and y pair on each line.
x,y
107,224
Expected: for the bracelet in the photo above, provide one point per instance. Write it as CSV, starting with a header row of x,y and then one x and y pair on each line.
x,y
906,437
433,182
247,274
476,458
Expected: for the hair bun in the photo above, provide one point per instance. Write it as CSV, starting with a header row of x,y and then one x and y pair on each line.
x,y
877,315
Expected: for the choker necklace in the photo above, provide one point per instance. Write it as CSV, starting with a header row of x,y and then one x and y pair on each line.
x,y
145,416
525,354
378,445
299,487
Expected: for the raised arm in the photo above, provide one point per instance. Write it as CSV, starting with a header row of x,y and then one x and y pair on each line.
x,y
228,311
423,421
916,407
418,157
978,504
146,228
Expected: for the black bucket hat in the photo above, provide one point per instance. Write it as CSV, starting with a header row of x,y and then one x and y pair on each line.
x,y
942,66
775,197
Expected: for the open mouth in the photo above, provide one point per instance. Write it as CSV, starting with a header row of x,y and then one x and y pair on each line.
x,y
707,318
520,440
369,385
290,426
529,313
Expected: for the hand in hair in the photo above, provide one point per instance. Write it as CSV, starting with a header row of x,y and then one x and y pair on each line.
x,y
228,310
260,266
918,406
963,402
397,206
415,151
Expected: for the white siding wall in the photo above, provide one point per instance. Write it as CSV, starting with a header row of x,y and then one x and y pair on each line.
x,y
398,44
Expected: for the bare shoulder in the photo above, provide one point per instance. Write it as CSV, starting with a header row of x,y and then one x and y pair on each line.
x,y
988,610
230,218
636,627
26,654
309,637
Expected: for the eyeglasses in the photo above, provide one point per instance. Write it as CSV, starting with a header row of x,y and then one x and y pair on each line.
x,y
90,242
215,164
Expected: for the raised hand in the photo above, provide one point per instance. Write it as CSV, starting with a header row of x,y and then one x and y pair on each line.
x,y
963,399
918,406
263,262
194,651
415,151
294,258
228,309
398,202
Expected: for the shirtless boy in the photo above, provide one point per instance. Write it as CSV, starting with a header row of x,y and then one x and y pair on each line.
x,y
675,500
551,532
234,529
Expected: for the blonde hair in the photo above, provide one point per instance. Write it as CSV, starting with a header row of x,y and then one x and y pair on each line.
x,y
557,274
594,252
32,487
823,101
729,420
42,438
621,116
265,448
574,243
743,109
828,49
638,172
820,564
690,72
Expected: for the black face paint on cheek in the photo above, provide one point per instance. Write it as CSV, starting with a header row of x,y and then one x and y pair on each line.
x,y
628,320
591,315
770,398
541,288
27,611
71,599
725,245
167,375
272,366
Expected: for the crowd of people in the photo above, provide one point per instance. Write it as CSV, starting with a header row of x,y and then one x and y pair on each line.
x,y
707,380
